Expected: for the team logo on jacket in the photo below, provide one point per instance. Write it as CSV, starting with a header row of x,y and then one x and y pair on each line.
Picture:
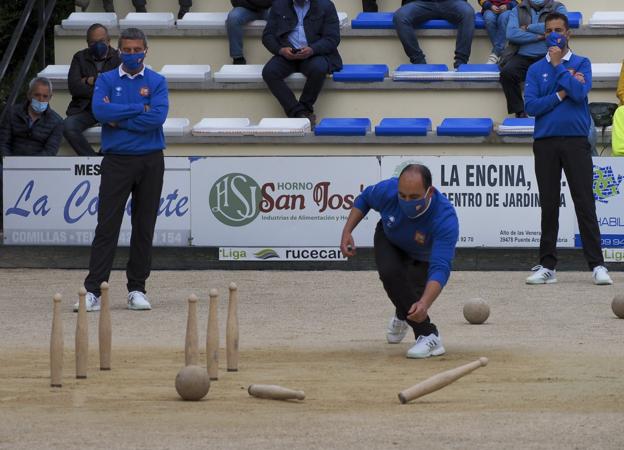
x,y
144,91
420,238
545,77
390,222
118,91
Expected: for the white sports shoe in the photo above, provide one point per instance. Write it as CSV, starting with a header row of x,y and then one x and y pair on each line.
x,y
396,331
542,275
601,276
492,59
137,301
91,302
426,346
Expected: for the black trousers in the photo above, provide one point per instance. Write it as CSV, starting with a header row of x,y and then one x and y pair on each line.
x,y
573,154
278,68
185,3
511,77
371,5
121,176
403,278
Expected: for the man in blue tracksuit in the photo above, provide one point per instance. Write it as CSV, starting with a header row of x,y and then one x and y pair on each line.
x,y
556,94
132,103
414,249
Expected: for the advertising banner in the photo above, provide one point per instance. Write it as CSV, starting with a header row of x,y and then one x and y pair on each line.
x,y
54,201
281,254
279,201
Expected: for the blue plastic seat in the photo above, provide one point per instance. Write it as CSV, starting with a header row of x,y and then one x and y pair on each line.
x,y
422,68
362,73
479,21
371,20
468,68
575,19
465,127
517,127
437,24
343,127
403,127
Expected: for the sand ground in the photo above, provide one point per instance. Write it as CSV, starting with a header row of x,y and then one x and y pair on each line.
x,y
555,378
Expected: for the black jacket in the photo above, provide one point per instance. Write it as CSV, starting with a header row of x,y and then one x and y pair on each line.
x,y
83,66
321,26
254,5
42,139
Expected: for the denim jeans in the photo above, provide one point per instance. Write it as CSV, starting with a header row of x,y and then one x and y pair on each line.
x,y
496,26
236,20
73,128
458,12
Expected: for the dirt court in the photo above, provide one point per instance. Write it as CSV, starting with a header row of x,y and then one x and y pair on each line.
x,y
555,378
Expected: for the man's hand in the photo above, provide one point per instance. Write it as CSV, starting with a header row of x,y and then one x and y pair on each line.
x,y
502,8
304,53
580,77
287,53
556,55
496,9
91,81
347,245
106,99
562,94
146,107
418,312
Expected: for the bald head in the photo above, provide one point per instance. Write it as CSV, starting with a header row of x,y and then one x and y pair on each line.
x,y
414,181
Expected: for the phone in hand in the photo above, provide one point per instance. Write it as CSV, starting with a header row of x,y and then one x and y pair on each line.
x,y
296,50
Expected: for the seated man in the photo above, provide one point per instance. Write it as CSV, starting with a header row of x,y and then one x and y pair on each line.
x,y
496,15
304,36
32,128
244,11
525,29
458,12
86,66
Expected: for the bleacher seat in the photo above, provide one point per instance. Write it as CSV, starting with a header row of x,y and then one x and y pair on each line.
x,y
372,20
403,127
343,127
55,72
361,73
282,127
606,71
83,20
516,127
440,72
575,19
216,21
607,19
222,127
186,73
148,21
465,127
249,73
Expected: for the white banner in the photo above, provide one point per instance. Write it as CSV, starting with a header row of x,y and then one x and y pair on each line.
x,y
496,198
54,201
281,254
279,201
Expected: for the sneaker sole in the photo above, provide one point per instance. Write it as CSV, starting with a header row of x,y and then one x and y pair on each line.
x,y
139,308
550,281
603,283
437,352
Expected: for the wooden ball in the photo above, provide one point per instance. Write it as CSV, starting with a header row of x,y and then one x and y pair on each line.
x,y
617,305
476,311
192,383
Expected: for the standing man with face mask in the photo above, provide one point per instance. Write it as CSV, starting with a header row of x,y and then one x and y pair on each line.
x,y
132,103
556,94
86,66
414,249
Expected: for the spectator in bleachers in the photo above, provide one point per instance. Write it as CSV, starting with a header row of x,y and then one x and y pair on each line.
x,y
496,15
371,5
86,66
244,11
32,128
525,30
620,87
141,6
304,36
557,87
458,12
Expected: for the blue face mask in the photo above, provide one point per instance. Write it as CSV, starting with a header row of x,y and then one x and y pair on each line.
x,y
555,39
414,209
99,49
37,106
132,61
537,3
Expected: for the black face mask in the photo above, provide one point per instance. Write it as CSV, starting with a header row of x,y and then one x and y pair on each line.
x,y
99,49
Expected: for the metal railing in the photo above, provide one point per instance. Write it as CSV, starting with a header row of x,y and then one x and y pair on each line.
x,y
42,10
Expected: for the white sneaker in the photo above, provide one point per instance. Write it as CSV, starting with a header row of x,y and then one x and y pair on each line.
x,y
396,331
91,302
601,276
542,275
492,59
137,301
426,346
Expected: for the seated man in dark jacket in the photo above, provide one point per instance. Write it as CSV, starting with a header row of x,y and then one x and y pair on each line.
x,y
32,128
85,67
304,36
244,11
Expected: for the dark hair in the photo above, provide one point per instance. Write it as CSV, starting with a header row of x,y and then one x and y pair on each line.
x,y
132,34
94,27
420,169
558,16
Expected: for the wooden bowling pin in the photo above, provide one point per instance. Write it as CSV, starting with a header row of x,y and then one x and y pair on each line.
x,y
56,344
82,336
274,392
212,337
191,347
105,332
231,333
